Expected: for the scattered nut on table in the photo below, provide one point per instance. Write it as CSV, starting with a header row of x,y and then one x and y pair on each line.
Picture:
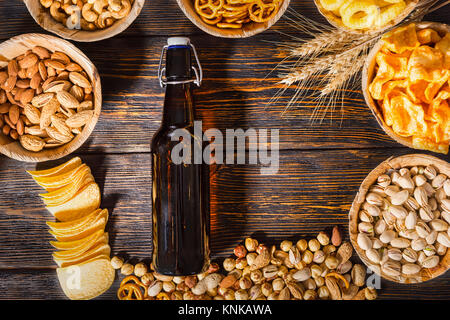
x,y
258,272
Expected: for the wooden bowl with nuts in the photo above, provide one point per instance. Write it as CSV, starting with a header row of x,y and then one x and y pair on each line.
x,y
399,220
236,23
85,20
368,75
50,98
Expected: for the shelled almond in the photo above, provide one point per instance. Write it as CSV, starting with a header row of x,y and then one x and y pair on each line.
x,y
45,99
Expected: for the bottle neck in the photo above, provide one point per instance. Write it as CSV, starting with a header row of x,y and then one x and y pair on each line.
x,y
178,102
178,105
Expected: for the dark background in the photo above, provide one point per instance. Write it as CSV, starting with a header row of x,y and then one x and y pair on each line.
x,y
321,166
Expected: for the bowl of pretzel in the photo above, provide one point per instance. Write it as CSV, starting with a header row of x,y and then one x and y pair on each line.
x,y
234,18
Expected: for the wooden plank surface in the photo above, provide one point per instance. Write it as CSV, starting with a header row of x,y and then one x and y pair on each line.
x,y
321,166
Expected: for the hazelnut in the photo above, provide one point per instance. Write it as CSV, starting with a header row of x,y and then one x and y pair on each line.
x,y
251,244
117,262
127,269
323,238
140,269
241,263
240,251
314,245
307,257
261,248
302,245
251,258
286,245
331,262
229,264
147,278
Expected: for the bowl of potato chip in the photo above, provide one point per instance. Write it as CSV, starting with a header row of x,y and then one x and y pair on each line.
x,y
365,16
233,18
406,84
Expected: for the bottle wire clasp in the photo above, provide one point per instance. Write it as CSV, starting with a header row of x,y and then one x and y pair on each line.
x,y
163,82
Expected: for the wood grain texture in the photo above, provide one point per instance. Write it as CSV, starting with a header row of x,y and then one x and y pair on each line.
x,y
321,167
243,203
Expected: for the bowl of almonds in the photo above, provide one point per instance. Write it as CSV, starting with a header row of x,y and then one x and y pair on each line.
x,y
85,20
399,220
50,98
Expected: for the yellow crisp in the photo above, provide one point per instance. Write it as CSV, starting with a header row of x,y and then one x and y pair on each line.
x,y
412,86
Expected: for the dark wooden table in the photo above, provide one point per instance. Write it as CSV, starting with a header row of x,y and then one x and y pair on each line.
x,y
321,166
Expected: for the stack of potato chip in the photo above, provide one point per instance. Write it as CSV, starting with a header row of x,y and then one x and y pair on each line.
x,y
83,258
412,85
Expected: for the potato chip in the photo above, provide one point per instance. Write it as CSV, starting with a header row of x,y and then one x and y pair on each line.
x,y
444,46
65,255
428,36
94,278
332,4
80,234
427,63
401,39
65,167
66,193
58,181
79,224
427,144
74,245
83,203
101,249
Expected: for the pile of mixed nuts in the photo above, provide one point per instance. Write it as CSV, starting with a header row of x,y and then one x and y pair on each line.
x,y
306,270
88,14
404,222
45,99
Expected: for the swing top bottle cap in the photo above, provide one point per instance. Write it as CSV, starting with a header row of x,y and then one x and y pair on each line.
x,y
178,41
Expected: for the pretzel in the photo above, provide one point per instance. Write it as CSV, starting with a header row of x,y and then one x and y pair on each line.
x,y
127,289
262,12
233,14
339,277
208,8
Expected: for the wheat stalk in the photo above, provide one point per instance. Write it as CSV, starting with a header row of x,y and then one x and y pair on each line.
x,y
330,60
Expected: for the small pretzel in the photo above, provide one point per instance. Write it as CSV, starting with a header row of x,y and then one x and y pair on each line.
x,y
229,25
262,12
339,277
127,289
208,8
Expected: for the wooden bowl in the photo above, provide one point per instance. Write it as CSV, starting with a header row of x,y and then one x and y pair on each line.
x,y
248,29
397,163
336,21
42,16
368,74
18,45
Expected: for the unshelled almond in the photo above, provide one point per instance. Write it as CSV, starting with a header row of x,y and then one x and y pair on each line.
x,y
79,119
67,100
28,61
78,79
32,143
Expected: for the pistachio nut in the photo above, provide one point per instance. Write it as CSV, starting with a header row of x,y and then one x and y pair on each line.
x,y
410,268
364,241
400,197
430,262
410,255
391,268
387,236
394,254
